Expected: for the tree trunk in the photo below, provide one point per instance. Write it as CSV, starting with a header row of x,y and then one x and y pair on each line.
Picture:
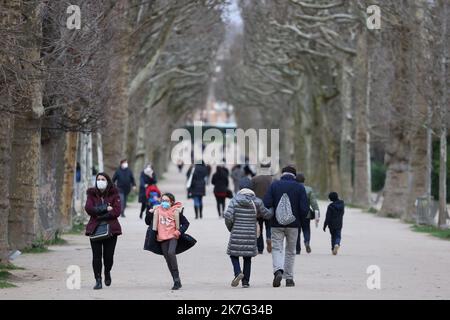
x,y
51,180
346,144
443,115
70,159
362,181
6,122
7,21
396,190
90,160
115,139
101,164
26,143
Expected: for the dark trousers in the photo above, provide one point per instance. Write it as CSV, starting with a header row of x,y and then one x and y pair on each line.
x,y
198,206
247,267
260,240
168,248
305,226
335,237
143,207
123,200
106,249
220,205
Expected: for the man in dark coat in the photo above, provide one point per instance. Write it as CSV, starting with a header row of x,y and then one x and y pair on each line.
x,y
124,180
333,220
261,184
283,262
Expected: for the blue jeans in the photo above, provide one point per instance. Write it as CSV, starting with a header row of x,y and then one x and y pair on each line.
x,y
198,201
260,240
335,237
305,226
123,202
247,267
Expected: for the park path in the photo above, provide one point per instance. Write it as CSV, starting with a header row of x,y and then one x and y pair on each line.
x,y
413,265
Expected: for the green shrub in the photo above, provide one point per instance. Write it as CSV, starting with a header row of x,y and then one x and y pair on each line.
x,y
4,276
372,210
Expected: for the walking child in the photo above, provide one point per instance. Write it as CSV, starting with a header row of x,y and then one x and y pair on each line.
x,y
333,220
170,224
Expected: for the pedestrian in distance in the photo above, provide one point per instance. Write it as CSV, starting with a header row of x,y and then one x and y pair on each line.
x,y
220,180
124,180
313,214
237,173
196,186
261,183
334,221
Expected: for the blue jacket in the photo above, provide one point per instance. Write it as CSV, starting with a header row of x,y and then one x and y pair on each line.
x,y
297,196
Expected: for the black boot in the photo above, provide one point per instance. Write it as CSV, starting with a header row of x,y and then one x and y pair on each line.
x,y
196,212
176,284
201,212
176,279
107,279
98,283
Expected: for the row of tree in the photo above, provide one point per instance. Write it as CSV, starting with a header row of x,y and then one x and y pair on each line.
x,y
115,87
344,92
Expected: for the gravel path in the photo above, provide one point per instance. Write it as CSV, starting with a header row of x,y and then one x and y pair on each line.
x,y
412,265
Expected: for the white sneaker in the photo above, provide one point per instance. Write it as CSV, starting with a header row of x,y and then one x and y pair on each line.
x,y
237,279
335,249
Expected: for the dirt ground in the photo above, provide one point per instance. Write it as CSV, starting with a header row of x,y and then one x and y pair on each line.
x,y
412,265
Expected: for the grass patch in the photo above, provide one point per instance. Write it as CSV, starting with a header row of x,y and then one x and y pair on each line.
x,y
35,249
40,245
10,266
4,276
354,206
436,232
372,210
77,228
132,197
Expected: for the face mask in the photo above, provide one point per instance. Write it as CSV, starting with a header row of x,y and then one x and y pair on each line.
x,y
125,165
101,184
165,204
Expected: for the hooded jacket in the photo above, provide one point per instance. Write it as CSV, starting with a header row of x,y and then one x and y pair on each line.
x,y
335,215
240,219
96,207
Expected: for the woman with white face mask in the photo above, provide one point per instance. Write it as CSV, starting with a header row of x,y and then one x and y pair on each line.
x,y
103,206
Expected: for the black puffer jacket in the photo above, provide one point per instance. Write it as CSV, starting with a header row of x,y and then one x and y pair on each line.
x,y
220,180
240,219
